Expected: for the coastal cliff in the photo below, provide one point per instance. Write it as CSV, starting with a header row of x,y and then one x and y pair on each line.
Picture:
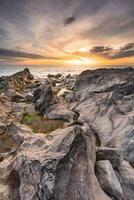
x,y
67,137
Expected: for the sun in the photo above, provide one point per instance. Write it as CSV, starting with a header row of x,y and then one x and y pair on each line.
x,y
83,50
82,61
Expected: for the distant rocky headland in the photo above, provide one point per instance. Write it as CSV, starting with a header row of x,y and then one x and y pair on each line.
x,y
67,137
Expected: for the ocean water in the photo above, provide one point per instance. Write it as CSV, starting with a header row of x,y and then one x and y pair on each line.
x,y
38,71
41,71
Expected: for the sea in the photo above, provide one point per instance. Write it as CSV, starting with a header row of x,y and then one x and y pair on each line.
x,y
41,71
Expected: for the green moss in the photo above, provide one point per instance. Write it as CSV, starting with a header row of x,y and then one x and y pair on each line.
x,y
39,125
27,119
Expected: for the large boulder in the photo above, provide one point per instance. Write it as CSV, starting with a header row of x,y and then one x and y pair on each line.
x,y
126,173
108,179
62,161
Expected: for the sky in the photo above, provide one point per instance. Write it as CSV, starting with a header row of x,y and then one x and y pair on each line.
x,y
72,32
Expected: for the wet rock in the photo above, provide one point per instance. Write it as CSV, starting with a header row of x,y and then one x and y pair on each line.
x,y
108,179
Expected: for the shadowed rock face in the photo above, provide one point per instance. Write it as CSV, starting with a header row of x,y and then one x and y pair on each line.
x,y
44,97
91,158
47,102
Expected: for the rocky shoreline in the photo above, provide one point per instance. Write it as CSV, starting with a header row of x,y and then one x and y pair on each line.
x,y
67,138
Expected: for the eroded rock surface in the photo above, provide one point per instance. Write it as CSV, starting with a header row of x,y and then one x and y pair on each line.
x,y
108,179
104,99
90,157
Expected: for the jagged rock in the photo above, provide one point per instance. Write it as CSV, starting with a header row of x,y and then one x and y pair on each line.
x,y
105,79
5,108
114,155
100,108
46,102
68,96
128,145
18,97
104,98
18,132
108,179
58,75
2,128
126,173
16,82
61,112
44,97
5,169
60,162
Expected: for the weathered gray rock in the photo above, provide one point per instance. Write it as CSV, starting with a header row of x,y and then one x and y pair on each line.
x,y
44,97
126,173
62,161
114,155
100,108
104,98
61,112
108,179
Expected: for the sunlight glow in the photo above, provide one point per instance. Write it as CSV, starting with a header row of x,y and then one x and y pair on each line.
x,y
83,50
82,61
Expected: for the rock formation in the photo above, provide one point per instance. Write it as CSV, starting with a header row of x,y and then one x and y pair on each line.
x,y
91,157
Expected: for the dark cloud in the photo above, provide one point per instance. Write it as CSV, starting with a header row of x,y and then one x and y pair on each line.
x,y
123,54
69,20
128,47
18,54
2,32
110,53
125,51
100,49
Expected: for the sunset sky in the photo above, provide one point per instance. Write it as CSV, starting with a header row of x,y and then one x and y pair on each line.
x,y
72,32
